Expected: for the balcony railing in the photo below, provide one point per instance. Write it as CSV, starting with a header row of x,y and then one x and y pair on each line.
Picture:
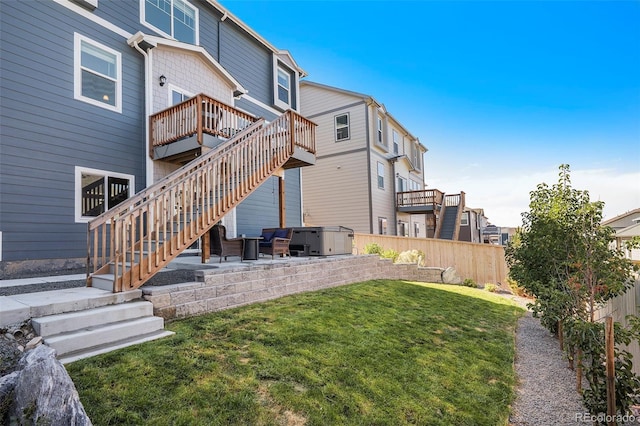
x,y
420,198
196,116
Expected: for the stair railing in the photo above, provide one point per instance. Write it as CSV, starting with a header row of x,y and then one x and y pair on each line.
x,y
144,233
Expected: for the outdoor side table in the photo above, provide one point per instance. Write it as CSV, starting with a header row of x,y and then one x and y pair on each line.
x,y
251,248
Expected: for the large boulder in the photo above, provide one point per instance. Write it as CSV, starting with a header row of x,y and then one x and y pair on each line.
x,y
44,393
450,276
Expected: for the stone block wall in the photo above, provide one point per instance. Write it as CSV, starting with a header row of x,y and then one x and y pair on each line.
x,y
215,290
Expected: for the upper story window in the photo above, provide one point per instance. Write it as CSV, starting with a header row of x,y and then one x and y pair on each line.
x,y
178,95
97,74
416,158
282,87
380,175
464,219
98,191
342,127
177,19
402,184
396,143
380,134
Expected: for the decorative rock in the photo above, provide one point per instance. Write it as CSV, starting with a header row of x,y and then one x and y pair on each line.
x,y
44,392
33,342
7,384
450,276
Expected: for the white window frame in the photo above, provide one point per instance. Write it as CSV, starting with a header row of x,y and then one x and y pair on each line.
x,y
380,132
342,126
143,21
382,225
77,73
79,171
279,67
396,143
177,89
464,219
380,168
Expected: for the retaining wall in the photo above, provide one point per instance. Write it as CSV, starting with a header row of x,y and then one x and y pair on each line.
x,y
215,290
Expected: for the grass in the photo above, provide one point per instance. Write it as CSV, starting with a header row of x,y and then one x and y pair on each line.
x,y
376,353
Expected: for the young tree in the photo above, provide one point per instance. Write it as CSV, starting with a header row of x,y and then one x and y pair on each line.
x,y
565,258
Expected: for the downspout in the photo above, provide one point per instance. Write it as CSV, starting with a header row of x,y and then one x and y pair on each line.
x,y
370,183
147,112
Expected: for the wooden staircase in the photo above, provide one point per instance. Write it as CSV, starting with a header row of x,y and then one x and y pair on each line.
x,y
128,244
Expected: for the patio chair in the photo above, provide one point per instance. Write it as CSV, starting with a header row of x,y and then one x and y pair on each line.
x,y
223,246
276,241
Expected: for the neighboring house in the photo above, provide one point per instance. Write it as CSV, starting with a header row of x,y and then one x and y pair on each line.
x,y
365,156
498,235
627,226
472,223
83,86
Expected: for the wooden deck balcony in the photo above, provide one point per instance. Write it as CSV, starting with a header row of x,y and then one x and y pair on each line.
x,y
421,201
184,131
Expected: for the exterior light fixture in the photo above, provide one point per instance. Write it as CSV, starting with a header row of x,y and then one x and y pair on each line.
x,y
163,80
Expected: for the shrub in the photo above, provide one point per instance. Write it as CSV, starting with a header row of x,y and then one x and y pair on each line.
x,y
373,248
389,254
490,287
515,288
411,256
469,282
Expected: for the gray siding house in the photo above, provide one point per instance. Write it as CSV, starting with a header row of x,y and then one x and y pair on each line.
x,y
79,82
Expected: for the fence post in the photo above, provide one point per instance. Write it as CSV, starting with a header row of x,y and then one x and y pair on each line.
x,y
611,373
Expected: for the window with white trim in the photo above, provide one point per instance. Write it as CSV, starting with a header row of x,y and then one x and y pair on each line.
x,y
380,138
177,95
382,225
396,143
97,74
380,175
177,19
402,184
98,191
464,219
416,157
342,127
282,95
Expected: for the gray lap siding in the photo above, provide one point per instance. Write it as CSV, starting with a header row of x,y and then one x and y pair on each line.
x,y
45,133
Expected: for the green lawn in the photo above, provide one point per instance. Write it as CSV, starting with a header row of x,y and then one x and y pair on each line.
x,y
380,352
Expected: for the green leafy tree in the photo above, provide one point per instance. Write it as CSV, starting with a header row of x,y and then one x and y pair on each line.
x,y
563,256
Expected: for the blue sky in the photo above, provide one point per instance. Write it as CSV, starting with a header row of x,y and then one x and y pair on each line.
x,y
501,93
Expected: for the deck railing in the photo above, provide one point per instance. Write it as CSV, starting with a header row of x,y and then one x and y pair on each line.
x,y
196,116
143,234
424,197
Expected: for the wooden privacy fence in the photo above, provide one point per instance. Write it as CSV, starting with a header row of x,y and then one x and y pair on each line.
x,y
619,308
483,263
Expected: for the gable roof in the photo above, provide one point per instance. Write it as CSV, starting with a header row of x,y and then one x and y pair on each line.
x,y
622,216
154,41
369,100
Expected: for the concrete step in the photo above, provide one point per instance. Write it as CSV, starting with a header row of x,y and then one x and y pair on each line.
x,y
103,335
102,349
64,323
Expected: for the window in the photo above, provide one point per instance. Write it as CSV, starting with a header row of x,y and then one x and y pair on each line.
x,y
97,74
402,184
382,225
174,18
415,156
416,229
403,229
464,219
282,87
342,127
98,191
178,95
414,186
396,144
380,175
380,138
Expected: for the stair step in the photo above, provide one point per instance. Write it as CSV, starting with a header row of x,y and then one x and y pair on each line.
x,y
90,337
64,323
105,348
